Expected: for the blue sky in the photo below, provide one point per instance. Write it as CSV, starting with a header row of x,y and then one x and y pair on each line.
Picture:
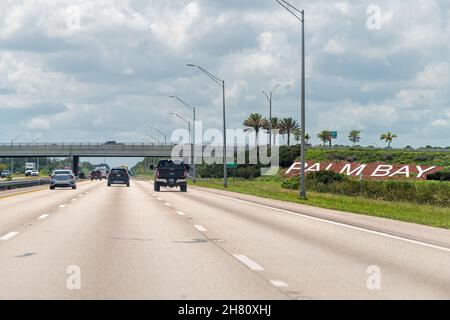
x,y
108,78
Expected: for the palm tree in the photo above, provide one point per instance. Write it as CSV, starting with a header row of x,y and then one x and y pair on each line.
x,y
355,136
325,136
275,126
289,126
388,138
255,122
307,138
297,135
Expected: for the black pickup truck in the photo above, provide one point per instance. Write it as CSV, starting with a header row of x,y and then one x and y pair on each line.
x,y
171,174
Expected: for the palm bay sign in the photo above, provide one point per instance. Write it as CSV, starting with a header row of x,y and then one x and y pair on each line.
x,y
376,170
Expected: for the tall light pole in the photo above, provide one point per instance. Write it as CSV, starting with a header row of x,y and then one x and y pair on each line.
x,y
185,120
161,133
222,84
300,15
12,145
149,135
269,97
193,109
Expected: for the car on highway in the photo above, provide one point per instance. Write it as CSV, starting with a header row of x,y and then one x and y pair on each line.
x,y
5,173
103,171
63,179
119,176
34,173
171,174
96,175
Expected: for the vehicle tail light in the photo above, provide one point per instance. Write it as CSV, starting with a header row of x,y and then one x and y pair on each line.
x,y
157,173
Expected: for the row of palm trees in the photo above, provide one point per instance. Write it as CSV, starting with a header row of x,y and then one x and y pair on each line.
x,y
290,127
286,126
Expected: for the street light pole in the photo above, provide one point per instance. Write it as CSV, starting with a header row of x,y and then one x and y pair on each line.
x,y
222,84
300,15
185,120
161,133
156,140
193,109
269,97
12,145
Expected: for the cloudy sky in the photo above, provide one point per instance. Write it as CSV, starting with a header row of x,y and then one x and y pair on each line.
x,y
107,75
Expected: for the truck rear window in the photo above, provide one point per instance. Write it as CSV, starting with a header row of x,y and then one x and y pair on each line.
x,y
118,172
170,164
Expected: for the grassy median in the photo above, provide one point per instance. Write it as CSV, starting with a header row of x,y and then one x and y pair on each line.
x,y
403,211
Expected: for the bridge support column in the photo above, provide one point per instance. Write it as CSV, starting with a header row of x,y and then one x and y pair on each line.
x,y
75,164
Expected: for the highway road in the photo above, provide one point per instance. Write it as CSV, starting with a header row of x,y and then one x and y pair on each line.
x,y
132,243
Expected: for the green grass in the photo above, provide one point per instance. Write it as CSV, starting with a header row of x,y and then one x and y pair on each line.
x,y
271,188
365,155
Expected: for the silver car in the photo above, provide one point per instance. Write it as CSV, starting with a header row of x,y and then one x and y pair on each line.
x,y
63,179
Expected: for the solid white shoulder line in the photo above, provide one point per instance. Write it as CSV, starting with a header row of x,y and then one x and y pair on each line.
x,y
379,233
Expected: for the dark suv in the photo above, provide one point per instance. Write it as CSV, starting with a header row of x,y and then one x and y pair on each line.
x,y
119,176
171,174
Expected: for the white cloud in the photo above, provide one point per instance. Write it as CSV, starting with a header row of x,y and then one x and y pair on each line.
x,y
39,124
441,123
116,71
435,75
334,46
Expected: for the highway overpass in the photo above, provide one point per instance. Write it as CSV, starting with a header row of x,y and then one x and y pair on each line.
x,y
88,150
84,150
75,151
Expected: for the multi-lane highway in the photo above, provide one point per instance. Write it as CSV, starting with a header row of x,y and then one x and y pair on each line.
x,y
132,243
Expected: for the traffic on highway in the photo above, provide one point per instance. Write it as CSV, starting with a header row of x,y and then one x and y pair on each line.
x,y
225,159
238,247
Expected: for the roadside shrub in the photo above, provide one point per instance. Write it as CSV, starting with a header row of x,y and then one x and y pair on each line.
x,y
216,171
288,155
440,176
421,192
326,177
292,183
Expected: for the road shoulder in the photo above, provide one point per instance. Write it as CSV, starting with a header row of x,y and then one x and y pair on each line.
x,y
416,232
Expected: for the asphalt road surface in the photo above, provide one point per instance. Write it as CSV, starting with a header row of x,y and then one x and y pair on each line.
x,y
132,243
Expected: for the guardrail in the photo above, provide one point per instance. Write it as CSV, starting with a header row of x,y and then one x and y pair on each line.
x,y
23,184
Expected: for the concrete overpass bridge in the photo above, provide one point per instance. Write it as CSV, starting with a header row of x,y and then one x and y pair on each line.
x,y
75,151
89,150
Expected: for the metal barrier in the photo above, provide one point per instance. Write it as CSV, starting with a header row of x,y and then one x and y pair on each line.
x,y
23,184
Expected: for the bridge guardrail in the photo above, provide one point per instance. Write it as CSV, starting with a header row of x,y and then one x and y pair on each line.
x,y
23,184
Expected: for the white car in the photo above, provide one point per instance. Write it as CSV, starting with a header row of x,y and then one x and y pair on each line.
x,y
35,173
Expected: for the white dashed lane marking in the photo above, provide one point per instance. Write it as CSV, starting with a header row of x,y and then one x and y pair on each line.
x,y
44,216
279,284
249,262
200,228
62,206
9,236
181,213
